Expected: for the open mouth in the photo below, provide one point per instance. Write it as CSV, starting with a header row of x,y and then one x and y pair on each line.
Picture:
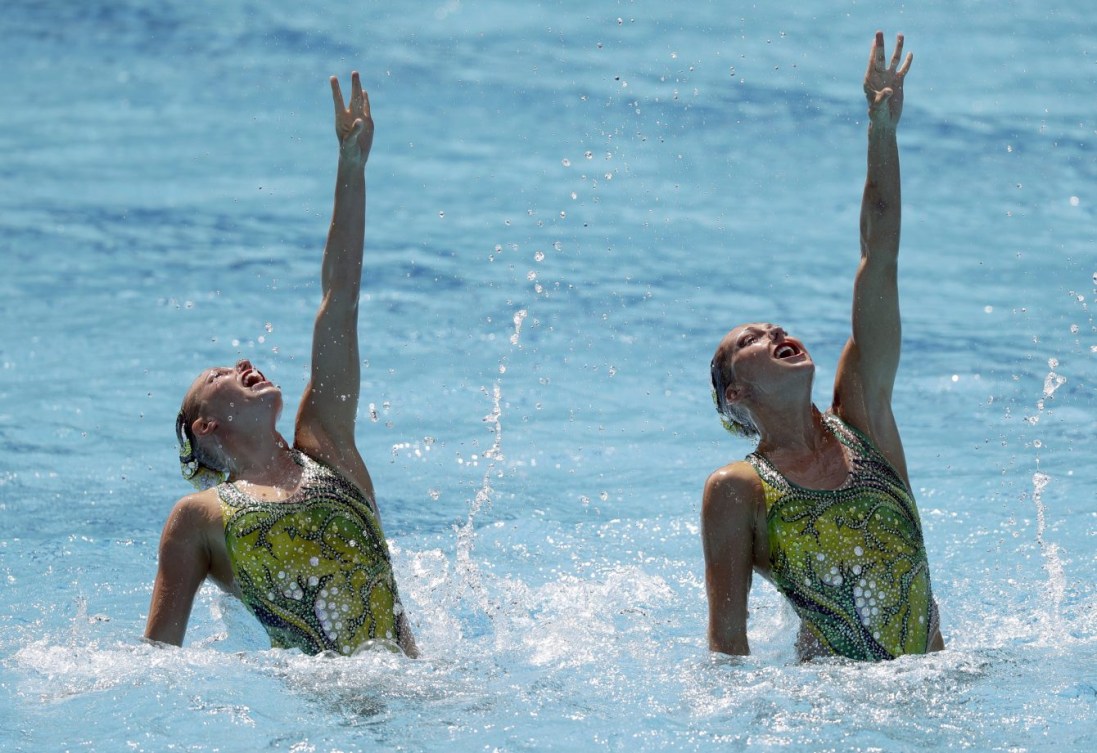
x,y
786,350
253,378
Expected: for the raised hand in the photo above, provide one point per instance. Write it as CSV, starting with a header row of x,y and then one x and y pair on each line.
x,y
884,83
353,124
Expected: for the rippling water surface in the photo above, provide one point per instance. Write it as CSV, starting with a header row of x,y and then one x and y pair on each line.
x,y
570,203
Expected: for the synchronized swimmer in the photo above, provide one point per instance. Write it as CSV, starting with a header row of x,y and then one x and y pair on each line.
x,y
293,531
823,507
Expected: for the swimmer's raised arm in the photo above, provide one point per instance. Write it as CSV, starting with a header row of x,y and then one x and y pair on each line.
x,y
866,373
326,418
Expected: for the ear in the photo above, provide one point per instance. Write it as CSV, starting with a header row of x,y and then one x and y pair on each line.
x,y
733,393
203,426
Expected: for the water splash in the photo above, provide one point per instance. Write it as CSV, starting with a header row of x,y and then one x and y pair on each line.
x,y
468,570
1053,564
1052,382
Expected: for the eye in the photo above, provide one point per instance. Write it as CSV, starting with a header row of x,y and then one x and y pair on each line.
x,y
746,339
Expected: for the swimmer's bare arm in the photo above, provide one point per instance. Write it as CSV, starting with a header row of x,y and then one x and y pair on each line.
x,y
870,360
325,420
727,536
191,548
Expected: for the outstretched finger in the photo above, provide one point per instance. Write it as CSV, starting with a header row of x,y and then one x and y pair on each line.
x,y
337,95
898,54
355,93
877,60
906,64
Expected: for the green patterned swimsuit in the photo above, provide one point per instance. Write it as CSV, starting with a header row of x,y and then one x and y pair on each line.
x,y
314,569
851,560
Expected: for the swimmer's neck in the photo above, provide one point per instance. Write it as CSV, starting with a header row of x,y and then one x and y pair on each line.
x,y
265,462
794,433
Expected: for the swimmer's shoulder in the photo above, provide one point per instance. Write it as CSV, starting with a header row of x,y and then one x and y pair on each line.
x,y
195,531
733,520
194,514
735,485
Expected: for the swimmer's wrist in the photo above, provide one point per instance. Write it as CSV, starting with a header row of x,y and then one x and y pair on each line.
x,y
881,127
349,165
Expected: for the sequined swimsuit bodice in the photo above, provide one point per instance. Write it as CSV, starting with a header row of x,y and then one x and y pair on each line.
x,y
314,569
852,560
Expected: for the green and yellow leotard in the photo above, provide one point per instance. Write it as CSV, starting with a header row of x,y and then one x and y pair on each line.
x,y
314,569
851,560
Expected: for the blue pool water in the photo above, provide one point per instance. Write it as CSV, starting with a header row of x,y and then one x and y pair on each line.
x,y
570,203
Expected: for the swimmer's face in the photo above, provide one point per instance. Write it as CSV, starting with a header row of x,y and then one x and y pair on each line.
x,y
234,393
762,353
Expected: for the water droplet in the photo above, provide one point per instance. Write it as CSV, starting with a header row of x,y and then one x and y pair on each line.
x,y
441,215
590,155
539,256
565,162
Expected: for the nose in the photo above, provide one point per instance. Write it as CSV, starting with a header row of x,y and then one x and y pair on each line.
x,y
777,334
243,365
